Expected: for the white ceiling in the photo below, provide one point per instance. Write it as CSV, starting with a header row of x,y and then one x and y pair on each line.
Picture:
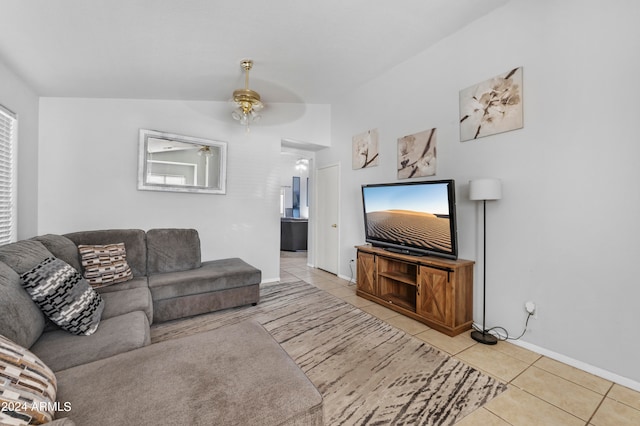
x,y
304,51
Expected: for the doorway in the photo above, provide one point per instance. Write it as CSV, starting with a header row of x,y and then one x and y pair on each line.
x,y
296,202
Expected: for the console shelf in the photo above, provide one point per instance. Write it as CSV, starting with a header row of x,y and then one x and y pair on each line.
x,y
398,300
398,276
435,291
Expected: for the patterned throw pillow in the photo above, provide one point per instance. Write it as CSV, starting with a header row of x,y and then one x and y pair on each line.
x,y
27,386
64,296
105,264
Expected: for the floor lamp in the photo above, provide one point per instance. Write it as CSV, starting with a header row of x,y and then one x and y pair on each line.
x,y
483,190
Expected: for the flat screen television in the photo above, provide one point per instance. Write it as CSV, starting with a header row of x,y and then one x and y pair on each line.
x,y
415,218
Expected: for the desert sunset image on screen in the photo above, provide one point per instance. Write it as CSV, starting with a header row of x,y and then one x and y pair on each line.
x,y
414,215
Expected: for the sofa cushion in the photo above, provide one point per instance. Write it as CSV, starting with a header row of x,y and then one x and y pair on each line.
x,y
23,255
62,248
172,250
213,275
61,350
136,282
134,240
105,265
21,320
125,301
65,421
64,296
27,386
234,375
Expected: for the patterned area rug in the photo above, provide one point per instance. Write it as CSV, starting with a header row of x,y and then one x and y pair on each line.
x,y
369,372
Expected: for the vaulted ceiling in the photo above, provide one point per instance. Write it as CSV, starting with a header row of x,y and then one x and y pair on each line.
x,y
304,51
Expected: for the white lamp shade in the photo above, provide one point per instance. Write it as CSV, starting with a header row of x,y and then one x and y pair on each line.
x,y
485,189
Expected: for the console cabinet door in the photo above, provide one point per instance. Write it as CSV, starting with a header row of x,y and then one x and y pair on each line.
x,y
366,273
433,298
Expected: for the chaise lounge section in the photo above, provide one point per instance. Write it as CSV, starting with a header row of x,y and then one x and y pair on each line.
x,y
181,285
235,375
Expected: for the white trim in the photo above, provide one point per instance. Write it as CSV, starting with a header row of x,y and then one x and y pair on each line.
x,y
12,150
351,280
8,112
596,371
339,220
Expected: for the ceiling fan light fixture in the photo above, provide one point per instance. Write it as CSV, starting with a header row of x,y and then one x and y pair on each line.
x,y
247,102
205,151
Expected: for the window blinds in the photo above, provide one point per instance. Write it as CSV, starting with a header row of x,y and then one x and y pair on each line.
x,y
8,130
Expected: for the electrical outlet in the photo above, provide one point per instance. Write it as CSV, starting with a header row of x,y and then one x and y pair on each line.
x,y
530,307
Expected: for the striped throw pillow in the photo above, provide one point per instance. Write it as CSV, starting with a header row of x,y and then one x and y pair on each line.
x,y
27,386
105,264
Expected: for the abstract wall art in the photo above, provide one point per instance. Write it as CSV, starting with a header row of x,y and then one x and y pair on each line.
x,y
417,155
493,106
365,149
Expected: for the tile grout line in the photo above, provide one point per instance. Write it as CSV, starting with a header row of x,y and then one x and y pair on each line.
x,y
600,404
611,384
553,405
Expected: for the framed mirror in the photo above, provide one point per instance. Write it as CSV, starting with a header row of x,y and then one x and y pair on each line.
x,y
170,162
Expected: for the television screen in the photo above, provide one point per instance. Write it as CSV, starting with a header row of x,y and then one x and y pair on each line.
x,y
415,218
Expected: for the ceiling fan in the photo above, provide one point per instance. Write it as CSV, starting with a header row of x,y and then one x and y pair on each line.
x,y
246,102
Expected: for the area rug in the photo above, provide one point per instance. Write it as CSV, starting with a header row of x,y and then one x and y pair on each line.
x,y
368,372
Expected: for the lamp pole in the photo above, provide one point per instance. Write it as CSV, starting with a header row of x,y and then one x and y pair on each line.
x,y
483,337
484,189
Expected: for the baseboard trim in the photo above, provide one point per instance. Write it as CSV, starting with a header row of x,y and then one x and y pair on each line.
x,y
350,279
596,371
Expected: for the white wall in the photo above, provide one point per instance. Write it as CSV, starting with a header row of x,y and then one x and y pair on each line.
x,y
565,234
88,172
16,95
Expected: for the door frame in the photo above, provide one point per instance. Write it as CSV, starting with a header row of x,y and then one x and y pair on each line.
x,y
311,156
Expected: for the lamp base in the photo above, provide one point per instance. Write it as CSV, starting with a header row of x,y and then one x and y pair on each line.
x,y
484,338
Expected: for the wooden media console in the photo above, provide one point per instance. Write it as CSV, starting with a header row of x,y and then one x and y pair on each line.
x,y
435,291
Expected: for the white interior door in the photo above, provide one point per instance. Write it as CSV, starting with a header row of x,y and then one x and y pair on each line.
x,y
327,223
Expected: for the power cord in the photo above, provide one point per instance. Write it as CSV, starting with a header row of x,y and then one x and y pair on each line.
x,y
506,333
351,282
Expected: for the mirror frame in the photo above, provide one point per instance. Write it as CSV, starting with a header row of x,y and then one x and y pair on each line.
x,y
142,163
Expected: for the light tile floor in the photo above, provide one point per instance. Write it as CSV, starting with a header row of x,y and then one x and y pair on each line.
x,y
541,391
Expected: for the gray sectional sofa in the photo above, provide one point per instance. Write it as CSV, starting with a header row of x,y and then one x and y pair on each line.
x,y
233,375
